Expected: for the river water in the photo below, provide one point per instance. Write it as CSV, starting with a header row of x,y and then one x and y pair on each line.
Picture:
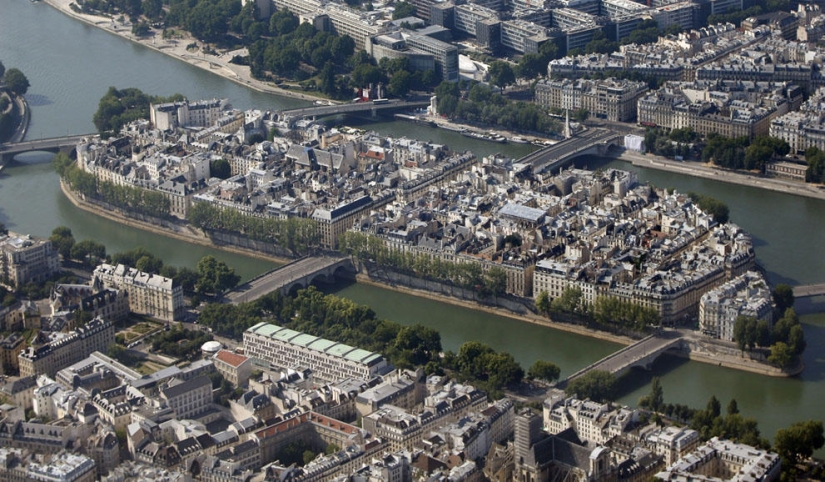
x,y
71,65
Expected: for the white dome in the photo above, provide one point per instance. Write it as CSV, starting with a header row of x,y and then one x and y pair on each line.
x,y
211,347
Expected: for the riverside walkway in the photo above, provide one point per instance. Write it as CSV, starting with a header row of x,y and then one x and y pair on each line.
x,y
640,354
295,275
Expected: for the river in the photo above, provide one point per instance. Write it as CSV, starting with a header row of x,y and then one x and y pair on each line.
x,y
70,65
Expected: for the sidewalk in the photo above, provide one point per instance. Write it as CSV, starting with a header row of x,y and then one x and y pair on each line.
x,y
698,169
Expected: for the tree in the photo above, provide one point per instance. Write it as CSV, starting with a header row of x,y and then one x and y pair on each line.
x,y
543,302
3,230
215,276
88,251
15,81
403,10
783,297
714,407
2,70
597,385
781,355
712,206
63,241
152,8
580,115
569,300
501,74
733,407
798,442
220,168
544,370
400,83
657,395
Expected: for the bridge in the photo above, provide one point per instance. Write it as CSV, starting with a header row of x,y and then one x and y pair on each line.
x,y
591,141
807,291
372,107
291,277
53,144
640,354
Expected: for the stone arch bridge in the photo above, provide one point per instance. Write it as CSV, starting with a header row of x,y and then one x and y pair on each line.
x,y
292,277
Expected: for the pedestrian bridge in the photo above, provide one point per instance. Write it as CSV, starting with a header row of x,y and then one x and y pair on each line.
x,y
372,107
640,354
291,277
591,141
53,144
807,291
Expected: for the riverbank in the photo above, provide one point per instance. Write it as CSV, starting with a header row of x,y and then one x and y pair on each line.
x,y
537,320
177,48
705,171
181,233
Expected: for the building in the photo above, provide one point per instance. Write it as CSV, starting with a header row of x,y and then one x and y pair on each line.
x,y
444,54
65,349
10,348
729,108
19,465
281,347
234,367
724,460
746,295
149,294
204,113
610,99
20,392
25,259
332,222
789,170
188,398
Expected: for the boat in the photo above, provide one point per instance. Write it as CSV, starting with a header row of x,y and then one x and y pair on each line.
x,y
452,128
485,137
519,140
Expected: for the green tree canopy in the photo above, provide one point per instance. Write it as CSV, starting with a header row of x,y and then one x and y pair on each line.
x,y
501,74
544,370
403,10
798,442
63,241
16,81
783,297
215,276
220,168
596,385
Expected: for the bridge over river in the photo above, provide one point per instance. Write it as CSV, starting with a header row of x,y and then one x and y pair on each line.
x,y
640,354
591,141
807,291
52,144
289,277
372,107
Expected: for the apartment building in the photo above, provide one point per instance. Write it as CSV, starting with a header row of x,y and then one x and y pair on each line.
x,y
25,259
188,398
333,221
745,295
149,294
610,99
66,349
234,367
187,114
328,360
